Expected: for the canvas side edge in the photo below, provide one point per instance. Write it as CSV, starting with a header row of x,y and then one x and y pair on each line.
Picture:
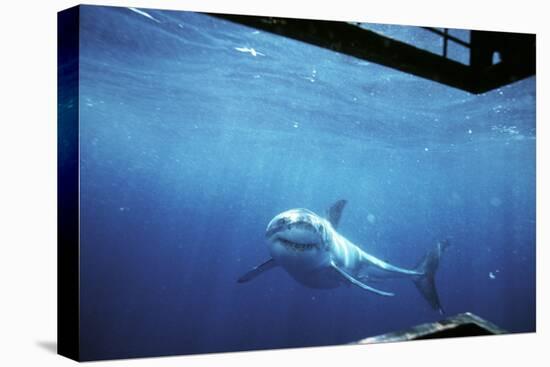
x,y
68,310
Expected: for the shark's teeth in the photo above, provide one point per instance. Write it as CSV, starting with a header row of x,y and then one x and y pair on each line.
x,y
299,246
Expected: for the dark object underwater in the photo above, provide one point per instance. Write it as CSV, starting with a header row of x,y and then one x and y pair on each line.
x,y
464,324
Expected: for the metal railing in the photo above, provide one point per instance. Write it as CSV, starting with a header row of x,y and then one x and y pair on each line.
x,y
446,38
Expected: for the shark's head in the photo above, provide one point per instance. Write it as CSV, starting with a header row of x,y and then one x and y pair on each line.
x,y
298,236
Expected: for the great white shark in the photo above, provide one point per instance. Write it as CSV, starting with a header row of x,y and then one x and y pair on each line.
x,y
311,250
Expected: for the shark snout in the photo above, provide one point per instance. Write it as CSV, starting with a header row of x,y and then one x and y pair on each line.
x,y
284,228
275,227
296,229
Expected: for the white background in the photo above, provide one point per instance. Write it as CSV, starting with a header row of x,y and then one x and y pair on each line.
x,y
28,182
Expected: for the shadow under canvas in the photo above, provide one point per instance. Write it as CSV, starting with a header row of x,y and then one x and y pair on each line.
x,y
48,345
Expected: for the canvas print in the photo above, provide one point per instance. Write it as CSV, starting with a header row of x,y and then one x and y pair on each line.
x,y
234,183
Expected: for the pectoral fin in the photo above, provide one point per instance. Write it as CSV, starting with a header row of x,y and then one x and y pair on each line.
x,y
356,282
257,270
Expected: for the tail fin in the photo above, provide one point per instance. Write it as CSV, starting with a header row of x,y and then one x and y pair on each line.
x,y
426,282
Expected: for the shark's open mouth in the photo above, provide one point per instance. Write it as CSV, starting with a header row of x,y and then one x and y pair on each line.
x,y
298,246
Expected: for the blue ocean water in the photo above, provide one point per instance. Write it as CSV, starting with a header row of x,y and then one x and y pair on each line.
x,y
195,132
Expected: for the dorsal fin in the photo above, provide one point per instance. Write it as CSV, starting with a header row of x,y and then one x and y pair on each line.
x,y
335,212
